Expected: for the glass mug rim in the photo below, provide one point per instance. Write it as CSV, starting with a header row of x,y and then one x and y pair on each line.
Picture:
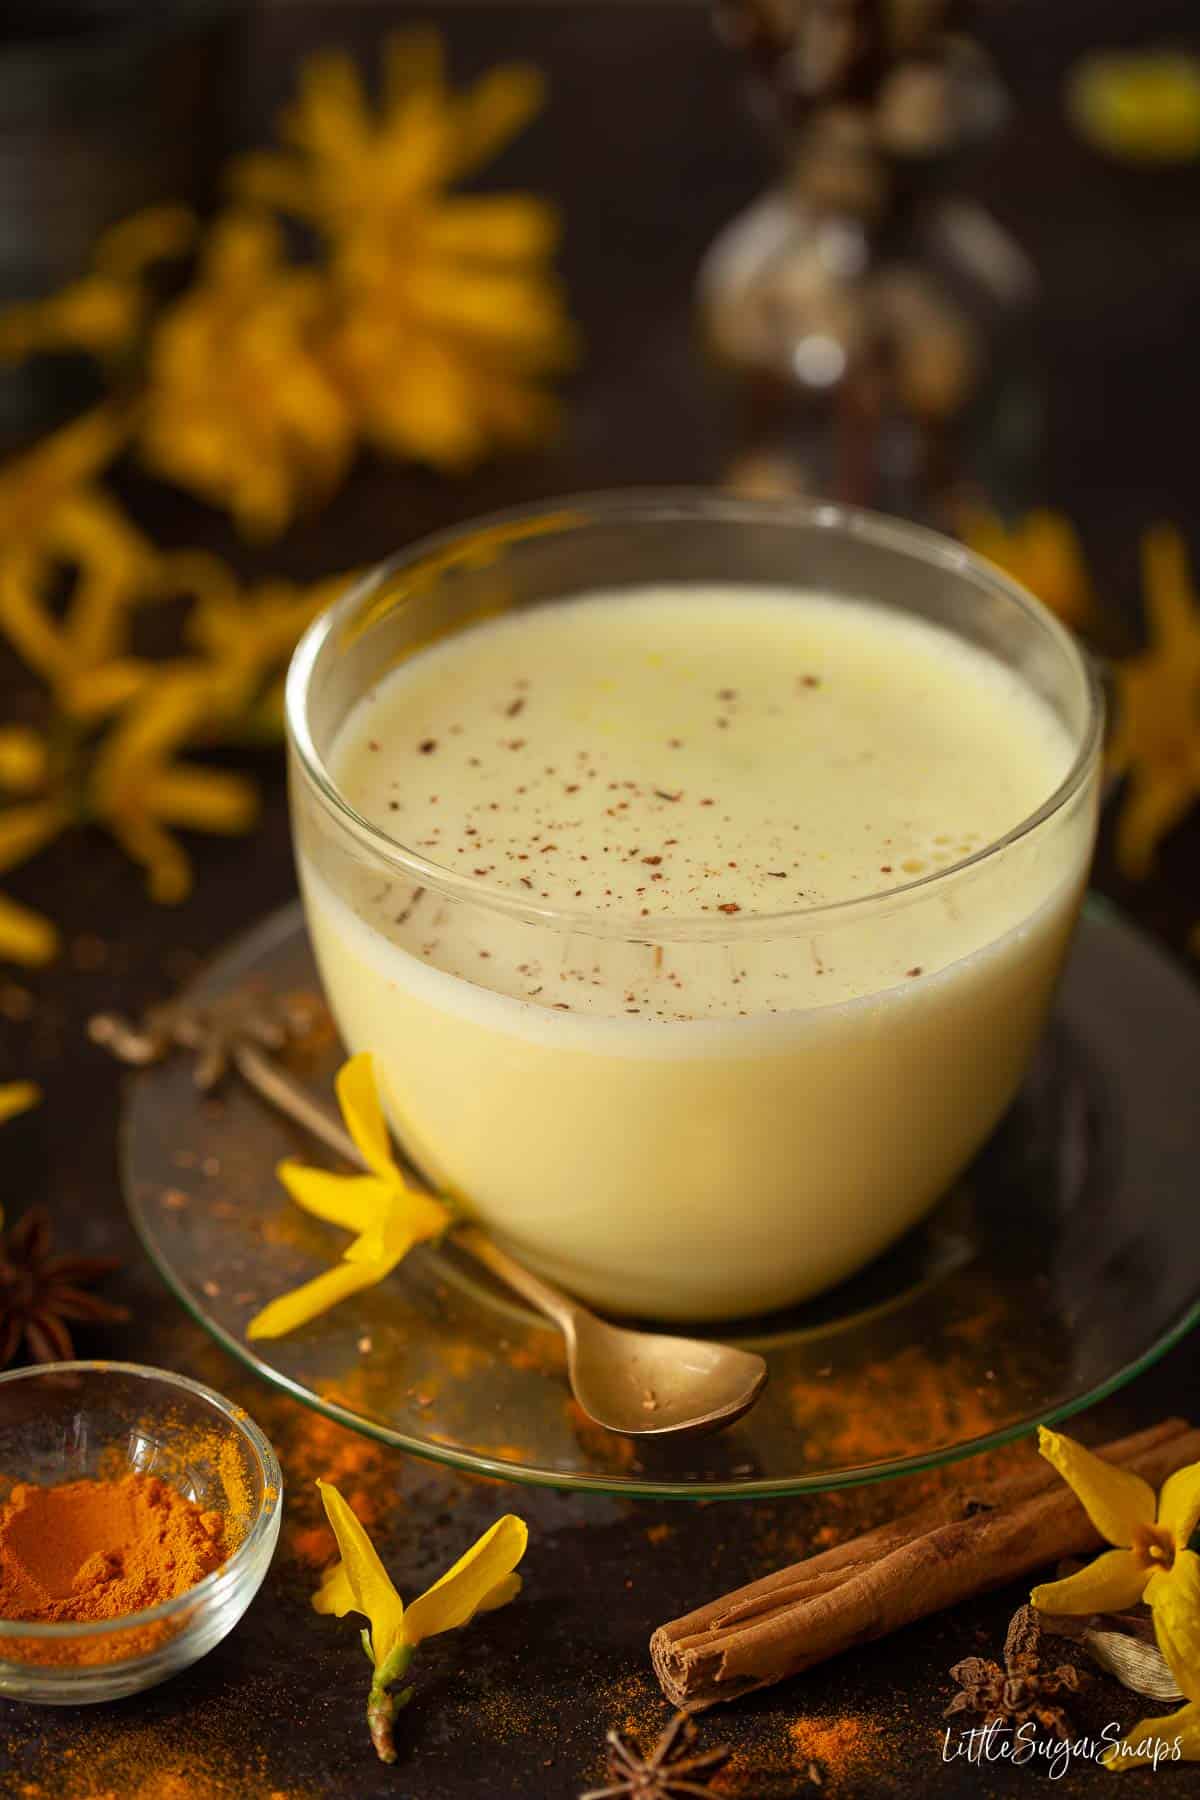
x,y
492,532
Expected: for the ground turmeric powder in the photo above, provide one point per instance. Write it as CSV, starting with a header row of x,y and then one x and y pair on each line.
x,y
94,1550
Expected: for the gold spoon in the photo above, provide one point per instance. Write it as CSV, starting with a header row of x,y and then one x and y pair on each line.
x,y
639,1383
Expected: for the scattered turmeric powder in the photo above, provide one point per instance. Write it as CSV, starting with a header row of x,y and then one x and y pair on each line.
x,y
837,1747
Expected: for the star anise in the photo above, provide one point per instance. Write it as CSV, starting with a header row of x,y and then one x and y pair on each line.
x,y
214,1032
1022,1691
671,1771
41,1293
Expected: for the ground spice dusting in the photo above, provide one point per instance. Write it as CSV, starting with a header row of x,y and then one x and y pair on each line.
x,y
94,1550
895,1407
838,1748
146,1761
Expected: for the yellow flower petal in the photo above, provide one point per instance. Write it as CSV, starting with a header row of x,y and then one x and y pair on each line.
x,y
408,1218
412,59
1155,802
351,1201
1153,1742
152,235
24,830
201,799
500,105
1174,1598
318,1296
24,619
24,759
335,1595
367,1582
421,406
501,1594
358,1098
494,228
17,1097
466,1588
1155,742
504,310
168,870
32,484
1110,1584
25,937
95,693
1115,1500
1041,550
95,314
1179,1503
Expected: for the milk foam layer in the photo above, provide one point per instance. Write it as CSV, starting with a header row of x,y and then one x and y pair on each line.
x,y
671,755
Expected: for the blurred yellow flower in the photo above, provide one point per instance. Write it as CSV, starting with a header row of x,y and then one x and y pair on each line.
x,y
429,322
106,750
448,318
480,1581
1155,744
1042,551
56,521
29,820
239,406
1140,105
25,936
138,790
127,780
17,1097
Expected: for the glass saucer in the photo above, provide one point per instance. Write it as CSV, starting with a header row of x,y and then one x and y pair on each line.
x,y
1064,1262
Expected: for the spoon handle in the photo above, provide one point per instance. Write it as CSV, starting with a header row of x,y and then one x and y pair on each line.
x,y
548,1299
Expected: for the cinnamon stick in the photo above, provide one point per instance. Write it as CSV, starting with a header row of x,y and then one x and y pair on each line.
x,y
871,1585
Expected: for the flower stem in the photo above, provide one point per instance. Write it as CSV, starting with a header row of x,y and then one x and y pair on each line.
x,y
383,1705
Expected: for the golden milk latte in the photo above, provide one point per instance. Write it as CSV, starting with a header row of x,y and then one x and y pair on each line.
x,y
719,1084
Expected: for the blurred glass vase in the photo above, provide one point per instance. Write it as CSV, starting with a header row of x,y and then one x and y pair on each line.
x,y
873,323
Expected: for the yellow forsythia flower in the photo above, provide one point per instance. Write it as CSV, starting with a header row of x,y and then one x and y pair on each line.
x,y
1151,1562
1042,551
447,316
387,1216
1155,743
1140,105
239,405
480,1581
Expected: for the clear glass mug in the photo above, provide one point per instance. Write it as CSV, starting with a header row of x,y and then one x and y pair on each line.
x,y
697,1168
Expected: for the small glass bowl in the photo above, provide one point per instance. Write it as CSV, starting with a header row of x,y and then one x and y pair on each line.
x,y
75,1420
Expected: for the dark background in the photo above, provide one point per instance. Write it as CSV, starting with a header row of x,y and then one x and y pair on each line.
x,y
647,147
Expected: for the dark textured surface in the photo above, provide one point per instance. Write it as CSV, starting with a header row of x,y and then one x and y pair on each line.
x,y
646,148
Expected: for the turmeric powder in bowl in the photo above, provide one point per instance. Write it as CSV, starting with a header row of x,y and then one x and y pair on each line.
x,y
95,1549
139,1512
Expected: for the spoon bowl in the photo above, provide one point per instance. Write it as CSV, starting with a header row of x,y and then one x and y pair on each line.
x,y
646,1385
